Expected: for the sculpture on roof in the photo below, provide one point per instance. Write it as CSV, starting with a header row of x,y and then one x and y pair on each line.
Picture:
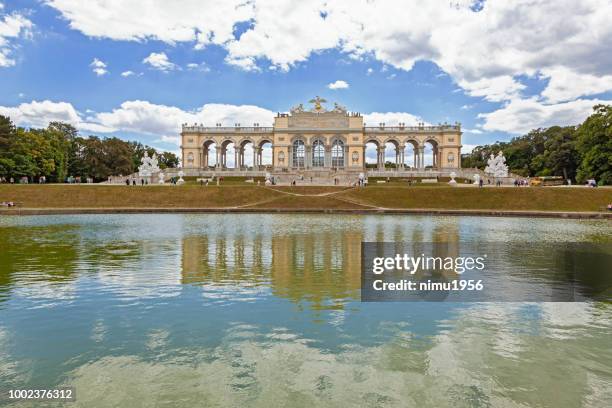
x,y
339,108
318,107
297,109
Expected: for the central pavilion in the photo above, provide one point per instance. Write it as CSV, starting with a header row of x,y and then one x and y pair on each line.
x,y
320,141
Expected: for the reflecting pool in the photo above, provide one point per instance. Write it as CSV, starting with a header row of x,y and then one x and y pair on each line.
x,y
256,310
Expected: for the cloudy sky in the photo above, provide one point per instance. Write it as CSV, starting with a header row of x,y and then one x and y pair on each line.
x,y
138,69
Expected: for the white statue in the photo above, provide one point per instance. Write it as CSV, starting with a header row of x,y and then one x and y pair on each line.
x,y
477,179
452,176
149,166
496,166
181,173
161,177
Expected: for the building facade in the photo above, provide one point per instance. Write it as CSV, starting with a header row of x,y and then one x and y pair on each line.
x,y
319,139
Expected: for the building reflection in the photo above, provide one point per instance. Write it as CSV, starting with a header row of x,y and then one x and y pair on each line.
x,y
321,268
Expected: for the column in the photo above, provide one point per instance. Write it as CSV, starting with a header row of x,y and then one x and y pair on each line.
x,y
421,157
327,163
307,157
236,157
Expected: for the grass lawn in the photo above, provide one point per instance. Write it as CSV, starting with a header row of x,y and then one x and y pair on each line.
x,y
103,196
308,197
490,198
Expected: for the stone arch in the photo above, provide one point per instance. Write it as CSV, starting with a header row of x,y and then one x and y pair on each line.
x,y
431,155
391,152
411,153
264,153
209,156
367,155
246,155
317,147
225,149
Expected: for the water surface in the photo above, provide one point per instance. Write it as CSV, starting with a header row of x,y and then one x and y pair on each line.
x,y
263,311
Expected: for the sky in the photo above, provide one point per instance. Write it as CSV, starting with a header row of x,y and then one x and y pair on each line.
x,y
139,69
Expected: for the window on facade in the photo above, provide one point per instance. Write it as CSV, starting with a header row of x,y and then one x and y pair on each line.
x,y
190,157
318,154
281,157
298,153
451,157
338,153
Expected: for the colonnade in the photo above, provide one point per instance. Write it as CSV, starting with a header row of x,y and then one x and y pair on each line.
x,y
400,160
221,153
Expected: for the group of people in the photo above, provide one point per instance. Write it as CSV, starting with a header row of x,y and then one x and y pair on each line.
x,y
521,183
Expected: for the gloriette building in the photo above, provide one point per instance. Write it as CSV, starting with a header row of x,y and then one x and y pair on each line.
x,y
321,142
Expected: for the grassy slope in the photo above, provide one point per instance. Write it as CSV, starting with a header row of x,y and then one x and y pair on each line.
x,y
510,198
503,198
99,196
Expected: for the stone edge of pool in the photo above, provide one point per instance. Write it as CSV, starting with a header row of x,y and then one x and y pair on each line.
x,y
413,211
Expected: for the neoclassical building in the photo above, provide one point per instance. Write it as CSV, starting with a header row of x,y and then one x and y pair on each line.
x,y
319,140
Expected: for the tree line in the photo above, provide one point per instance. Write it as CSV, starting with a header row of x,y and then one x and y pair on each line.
x,y
58,151
577,153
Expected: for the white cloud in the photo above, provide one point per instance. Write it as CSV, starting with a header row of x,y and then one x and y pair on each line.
x,y
127,73
339,84
198,67
369,71
496,89
12,27
485,52
98,67
159,61
39,114
565,84
391,118
521,115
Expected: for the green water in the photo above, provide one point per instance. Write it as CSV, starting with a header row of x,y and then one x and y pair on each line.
x,y
264,311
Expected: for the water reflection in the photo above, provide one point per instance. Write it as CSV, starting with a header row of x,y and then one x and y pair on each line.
x,y
262,310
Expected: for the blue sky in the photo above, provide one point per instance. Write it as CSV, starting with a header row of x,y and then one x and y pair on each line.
x,y
205,62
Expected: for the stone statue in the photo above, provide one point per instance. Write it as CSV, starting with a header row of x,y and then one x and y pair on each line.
x,y
476,179
297,109
496,166
161,176
149,166
339,108
318,107
452,176
181,173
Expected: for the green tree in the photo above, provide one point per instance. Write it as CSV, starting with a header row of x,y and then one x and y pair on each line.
x,y
595,146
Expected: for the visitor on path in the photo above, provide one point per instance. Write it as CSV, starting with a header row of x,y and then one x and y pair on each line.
x,y
12,180
480,183
142,182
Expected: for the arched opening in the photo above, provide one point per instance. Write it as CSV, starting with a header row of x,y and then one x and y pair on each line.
x,y
371,154
337,153
392,154
430,154
318,153
209,154
298,153
246,155
411,151
228,154
264,154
